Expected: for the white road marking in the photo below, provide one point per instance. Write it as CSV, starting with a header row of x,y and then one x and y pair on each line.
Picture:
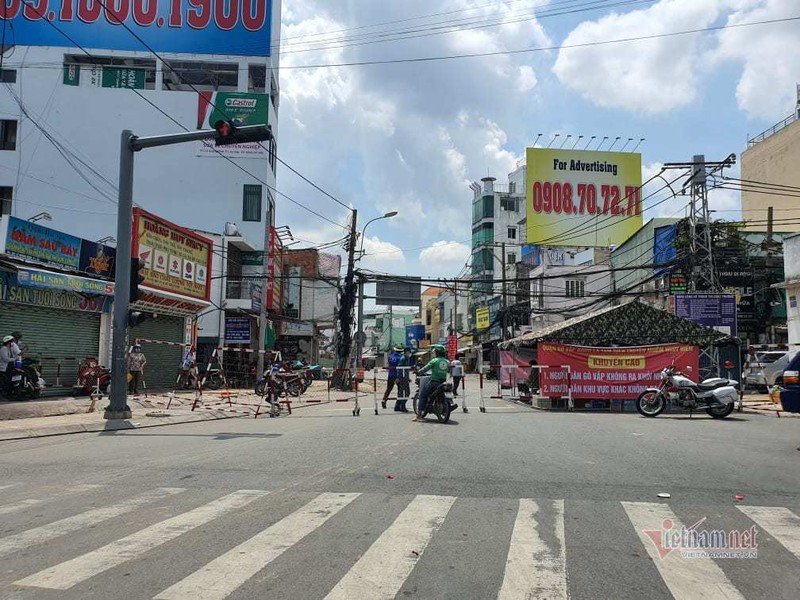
x,y
695,578
70,491
223,575
67,574
381,571
533,568
7,485
45,533
780,523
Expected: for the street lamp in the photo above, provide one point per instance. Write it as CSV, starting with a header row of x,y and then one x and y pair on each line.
x,y
109,239
42,216
360,336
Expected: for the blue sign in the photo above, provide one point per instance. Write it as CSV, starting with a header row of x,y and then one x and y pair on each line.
x,y
12,291
29,240
664,250
712,310
496,330
414,335
61,281
237,27
237,330
97,259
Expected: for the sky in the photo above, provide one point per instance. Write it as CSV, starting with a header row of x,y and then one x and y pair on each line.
x,y
411,136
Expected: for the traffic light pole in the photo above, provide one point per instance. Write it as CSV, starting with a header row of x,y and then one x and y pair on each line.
x,y
118,396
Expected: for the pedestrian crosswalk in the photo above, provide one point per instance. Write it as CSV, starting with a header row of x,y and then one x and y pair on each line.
x,y
176,543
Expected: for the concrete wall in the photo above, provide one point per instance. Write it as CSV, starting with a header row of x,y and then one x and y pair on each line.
x,y
774,160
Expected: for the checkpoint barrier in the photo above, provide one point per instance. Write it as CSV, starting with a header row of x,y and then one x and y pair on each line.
x,y
512,390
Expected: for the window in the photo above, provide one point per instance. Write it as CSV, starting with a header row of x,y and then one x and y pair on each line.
x,y
428,317
251,203
186,76
110,71
512,233
273,154
575,288
8,76
257,79
8,135
511,259
509,203
5,199
270,207
274,95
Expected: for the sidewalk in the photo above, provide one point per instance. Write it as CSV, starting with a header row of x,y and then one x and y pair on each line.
x,y
40,418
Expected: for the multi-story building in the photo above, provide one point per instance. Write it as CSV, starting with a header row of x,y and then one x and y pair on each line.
x,y
770,176
75,79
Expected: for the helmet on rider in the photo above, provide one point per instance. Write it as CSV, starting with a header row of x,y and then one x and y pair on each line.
x,y
8,338
439,350
398,348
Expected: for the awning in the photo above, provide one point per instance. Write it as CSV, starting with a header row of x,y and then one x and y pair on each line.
x,y
166,303
39,278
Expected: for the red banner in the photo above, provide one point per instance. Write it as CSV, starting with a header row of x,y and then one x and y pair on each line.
x,y
610,373
452,346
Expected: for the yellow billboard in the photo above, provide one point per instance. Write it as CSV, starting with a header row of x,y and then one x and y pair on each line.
x,y
482,318
582,197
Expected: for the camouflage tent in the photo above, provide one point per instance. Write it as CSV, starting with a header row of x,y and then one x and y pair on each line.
x,y
633,323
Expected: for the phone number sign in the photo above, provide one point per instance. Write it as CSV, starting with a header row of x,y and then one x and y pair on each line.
x,y
582,198
235,27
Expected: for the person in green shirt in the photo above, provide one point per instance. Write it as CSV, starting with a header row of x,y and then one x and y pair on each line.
x,y
439,368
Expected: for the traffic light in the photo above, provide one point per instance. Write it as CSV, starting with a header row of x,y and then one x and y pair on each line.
x,y
137,279
229,133
136,317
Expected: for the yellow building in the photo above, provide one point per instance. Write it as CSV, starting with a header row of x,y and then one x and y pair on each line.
x,y
430,314
771,160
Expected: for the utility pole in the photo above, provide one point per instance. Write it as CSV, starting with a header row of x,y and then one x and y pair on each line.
x,y
703,276
225,134
504,304
348,299
768,276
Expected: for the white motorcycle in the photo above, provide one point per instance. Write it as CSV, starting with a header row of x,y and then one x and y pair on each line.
x,y
717,396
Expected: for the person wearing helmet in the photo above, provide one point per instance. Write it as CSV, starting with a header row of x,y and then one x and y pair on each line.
x,y
16,348
439,367
136,363
392,361
6,358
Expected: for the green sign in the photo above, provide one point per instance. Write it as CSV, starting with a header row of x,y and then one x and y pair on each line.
x,y
240,108
253,259
72,74
123,77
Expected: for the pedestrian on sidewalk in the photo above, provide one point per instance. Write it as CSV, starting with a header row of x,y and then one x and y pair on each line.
x,y
392,361
188,367
136,363
404,381
6,358
457,371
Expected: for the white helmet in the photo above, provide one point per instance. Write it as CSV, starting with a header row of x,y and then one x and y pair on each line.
x,y
8,338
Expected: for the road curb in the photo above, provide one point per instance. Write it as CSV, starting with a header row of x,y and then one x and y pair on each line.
x,y
111,425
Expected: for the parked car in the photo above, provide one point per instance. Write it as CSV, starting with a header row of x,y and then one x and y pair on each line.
x,y
765,369
790,395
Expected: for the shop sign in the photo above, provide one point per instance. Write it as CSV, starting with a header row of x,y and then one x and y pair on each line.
x,y
482,318
97,259
299,329
62,281
123,77
30,240
237,330
12,291
452,346
609,373
175,259
711,310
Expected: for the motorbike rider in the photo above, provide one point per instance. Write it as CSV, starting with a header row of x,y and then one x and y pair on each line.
x,y
16,349
6,358
188,366
439,368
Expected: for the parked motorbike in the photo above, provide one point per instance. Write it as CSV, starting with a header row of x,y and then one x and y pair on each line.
x,y
90,374
717,396
282,382
440,402
25,381
213,378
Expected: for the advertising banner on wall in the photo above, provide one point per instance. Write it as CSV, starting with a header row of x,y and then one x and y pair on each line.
x,y
482,318
240,108
414,336
582,197
30,240
237,330
609,373
240,28
11,290
712,310
176,260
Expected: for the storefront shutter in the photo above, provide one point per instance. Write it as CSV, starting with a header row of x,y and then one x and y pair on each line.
x,y
61,339
163,361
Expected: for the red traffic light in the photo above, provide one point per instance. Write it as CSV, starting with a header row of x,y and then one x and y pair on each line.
x,y
223,128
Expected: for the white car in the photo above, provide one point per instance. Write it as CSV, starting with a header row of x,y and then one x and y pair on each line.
x,y
766,368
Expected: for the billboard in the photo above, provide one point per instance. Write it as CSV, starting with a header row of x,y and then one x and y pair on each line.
x,y
609,373
414,335
175,259
398,293
712,310
237,330
240,28
582,197
239,108
482,320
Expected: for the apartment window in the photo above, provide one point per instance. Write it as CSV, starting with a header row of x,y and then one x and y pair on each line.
x,y
5,200
257,79
512,233
575,288
511,259
187,76
428,317
8,76
273,154
251,203
8,134
274,95
509,204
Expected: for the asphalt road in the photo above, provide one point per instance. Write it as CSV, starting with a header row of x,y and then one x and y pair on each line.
x,y
512,503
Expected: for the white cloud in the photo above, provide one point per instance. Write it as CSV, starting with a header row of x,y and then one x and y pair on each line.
x,y
444,258
768,54
644,77
526,78
380,255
